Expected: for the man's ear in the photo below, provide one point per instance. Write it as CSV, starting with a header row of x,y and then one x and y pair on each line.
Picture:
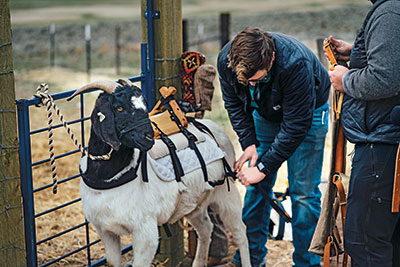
x,y
103,123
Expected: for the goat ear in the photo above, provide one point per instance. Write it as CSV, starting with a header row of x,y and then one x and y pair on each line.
x,y
103,123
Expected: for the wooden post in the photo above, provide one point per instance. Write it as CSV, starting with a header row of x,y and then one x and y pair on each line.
x,y
12,245
52,31
224,24
168,50
88,50
167,42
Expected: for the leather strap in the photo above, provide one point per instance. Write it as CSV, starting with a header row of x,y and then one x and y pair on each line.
x,y
396,184
327,252
337,104
342,198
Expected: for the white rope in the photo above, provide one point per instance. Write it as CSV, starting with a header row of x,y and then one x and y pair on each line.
x,y
48,101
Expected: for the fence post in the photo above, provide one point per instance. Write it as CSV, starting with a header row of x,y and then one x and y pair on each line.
x,y
88,47
52,45
12,248
321,56
167,15
185,35
200,37
118,49
224,23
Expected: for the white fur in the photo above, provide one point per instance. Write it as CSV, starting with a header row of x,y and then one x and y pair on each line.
x,y
139,207
101,116
138,102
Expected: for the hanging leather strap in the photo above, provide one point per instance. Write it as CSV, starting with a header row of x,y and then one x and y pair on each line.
x,y
396,184
342,197
342,203
327,252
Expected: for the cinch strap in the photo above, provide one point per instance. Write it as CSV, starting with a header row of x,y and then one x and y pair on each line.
x,y
190,137
176,163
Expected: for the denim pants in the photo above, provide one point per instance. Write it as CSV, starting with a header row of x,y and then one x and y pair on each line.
x,y
304,176
372,231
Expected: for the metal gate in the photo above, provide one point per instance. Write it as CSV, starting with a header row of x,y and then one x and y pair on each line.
x,y
25,134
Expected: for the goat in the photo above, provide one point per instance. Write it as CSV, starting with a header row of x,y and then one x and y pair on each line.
x,y
120,122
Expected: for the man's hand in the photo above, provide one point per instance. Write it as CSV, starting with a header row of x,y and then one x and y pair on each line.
x,y
250,176
250,153
342,49
336,77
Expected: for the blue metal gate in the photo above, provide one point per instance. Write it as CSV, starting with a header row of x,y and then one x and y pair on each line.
x,y
28,191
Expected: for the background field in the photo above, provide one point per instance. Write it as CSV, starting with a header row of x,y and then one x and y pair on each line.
x,y
307,20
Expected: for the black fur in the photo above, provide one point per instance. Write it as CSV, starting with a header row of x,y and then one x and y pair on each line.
x,y
124,128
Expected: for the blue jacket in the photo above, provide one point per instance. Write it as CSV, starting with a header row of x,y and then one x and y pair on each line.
x,y
372,86
299,84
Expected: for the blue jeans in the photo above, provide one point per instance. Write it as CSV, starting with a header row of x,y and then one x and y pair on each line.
x,y
304,176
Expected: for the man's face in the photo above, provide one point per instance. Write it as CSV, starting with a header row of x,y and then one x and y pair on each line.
x,y
259,75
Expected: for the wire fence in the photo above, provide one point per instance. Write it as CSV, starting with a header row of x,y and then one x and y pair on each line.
x,y
96,46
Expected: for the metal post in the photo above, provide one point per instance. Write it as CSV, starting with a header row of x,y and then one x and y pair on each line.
x,y
145,73
88,39
26,182
224,24
149,15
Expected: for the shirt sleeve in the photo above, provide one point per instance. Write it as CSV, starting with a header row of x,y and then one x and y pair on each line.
x,y
380,78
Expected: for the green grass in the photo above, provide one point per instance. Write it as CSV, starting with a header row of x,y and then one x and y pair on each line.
x,y
31,4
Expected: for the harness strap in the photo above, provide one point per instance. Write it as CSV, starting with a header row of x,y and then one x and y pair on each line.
x,y
176,163
143,160
203,128
190,137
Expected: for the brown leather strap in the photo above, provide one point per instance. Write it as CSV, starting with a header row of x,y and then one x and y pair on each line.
x,y
327,252
342,198
396,184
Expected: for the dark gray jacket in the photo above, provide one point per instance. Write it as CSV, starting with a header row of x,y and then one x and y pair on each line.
x,y
300,84
372,86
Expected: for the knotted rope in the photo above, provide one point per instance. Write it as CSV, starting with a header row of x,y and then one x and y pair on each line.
x,y
48,101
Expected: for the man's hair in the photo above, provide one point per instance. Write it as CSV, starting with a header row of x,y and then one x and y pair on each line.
x,y
251,50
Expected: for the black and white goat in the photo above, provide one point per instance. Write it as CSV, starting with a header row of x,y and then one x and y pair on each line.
x,y
120,124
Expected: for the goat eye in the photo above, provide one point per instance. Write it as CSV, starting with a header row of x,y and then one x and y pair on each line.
x,y
120,109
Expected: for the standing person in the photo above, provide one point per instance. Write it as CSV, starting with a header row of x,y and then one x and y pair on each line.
x,y
371,89
275,91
